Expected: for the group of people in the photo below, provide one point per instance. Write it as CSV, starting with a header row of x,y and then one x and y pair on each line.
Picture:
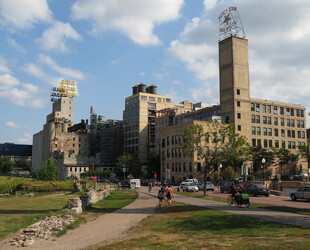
x,y
165,192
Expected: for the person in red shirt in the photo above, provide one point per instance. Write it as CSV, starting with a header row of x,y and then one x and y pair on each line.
x,y
169,195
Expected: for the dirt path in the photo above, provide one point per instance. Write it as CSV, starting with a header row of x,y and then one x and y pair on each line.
x,y
106,227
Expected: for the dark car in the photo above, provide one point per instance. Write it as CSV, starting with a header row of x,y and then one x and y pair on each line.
x,y
257,189
225,187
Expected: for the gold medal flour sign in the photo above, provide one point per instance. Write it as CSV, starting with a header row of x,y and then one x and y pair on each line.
x,y
65,89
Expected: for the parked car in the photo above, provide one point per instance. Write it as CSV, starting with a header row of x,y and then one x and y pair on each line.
x,y
302,193
192,187
209,186
257,189
225,187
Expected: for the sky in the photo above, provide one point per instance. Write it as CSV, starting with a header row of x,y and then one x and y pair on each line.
x,y
108,46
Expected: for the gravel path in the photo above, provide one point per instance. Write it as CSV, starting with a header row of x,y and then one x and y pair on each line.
x,y
106,227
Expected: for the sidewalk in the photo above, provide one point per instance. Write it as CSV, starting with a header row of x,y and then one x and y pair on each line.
x,y
264,214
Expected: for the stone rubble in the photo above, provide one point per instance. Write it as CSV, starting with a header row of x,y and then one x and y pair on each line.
x,y
44,229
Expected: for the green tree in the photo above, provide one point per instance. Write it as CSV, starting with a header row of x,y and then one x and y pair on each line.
x,y
305,152
206,144
287,162
257,154
22,164
49,171
6,164
153,164
131,162
229,173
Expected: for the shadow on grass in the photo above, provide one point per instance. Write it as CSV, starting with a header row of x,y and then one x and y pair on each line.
x,y
28,211
287,209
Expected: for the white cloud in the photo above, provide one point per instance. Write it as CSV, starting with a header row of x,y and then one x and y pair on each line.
x,y
21,94
16,45
55,37
24,14
27,139
67,72
142,74
135,19
160,76
3,65
12,124
34,70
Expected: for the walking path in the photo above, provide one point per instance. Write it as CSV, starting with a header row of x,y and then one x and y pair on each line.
x,y
113,226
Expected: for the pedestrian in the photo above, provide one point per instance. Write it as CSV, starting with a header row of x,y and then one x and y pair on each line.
x,y
150,187
161,196
169,195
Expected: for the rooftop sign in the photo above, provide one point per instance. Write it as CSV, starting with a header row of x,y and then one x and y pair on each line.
x,y
65,89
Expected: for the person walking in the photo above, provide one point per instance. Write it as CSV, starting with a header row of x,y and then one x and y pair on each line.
x,y
169,195
150,186
161,196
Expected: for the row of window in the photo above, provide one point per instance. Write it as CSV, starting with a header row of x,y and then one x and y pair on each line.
x,y
132,141
173,152
153,99
77,169
268,132
276,143
268,120
175,139
276,110
180,167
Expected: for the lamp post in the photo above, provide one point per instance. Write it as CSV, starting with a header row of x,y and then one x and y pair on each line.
x,y
263,167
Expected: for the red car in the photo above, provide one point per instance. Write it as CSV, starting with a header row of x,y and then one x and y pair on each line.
x,y
226,187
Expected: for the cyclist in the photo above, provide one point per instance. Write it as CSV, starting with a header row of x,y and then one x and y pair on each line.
x,y
233,190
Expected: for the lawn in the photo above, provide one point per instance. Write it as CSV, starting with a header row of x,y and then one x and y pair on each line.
x,y
190,227
17,212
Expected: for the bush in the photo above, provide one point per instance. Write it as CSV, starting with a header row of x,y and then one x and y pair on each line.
x,y
48,171
6,164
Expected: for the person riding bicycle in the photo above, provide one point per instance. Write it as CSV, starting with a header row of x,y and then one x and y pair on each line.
x,y
233,190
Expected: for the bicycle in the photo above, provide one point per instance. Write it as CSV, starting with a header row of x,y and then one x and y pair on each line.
x,y
238,201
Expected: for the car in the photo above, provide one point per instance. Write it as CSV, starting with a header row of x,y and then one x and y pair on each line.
x,y
302,193
257,189
192,187
209,186
225,187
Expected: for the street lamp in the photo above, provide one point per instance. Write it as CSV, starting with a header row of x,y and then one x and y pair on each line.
x,y
263,167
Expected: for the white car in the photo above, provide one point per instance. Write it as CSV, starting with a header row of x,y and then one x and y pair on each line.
x,y
192,187
209,186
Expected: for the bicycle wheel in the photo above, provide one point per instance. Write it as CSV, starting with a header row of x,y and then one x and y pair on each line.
x,y
229,200
248,204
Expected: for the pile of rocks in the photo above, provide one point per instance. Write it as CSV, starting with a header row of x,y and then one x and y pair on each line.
x,y
44,229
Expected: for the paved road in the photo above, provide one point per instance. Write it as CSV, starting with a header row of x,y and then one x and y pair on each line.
x,y
272,200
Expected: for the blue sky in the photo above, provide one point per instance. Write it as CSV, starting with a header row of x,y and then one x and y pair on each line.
x,y
107,46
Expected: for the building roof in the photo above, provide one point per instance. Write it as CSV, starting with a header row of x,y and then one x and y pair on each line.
x,y
11,149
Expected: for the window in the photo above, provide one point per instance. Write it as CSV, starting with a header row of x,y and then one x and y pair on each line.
x,y
168,152
252,107
238,91
268,109
199,167
159,99
184,167
292,112
269,131
289,145
289,133
238,103
152,99
283,144
276,144
269,120
270,143
288,111
259,142
143,98
168,140
190,167
281,111
239,127
258,131
265,143
302,124
257,119
282,132
288,122
163,143
239,115
275,120
253,130
298,112
303,134
282,121
299,134
276,132
293,145
264,108
257,107
298,123
172,140
292,123
253,142
253,118
265,131
264,119
293,133
172,166
275,110
151,105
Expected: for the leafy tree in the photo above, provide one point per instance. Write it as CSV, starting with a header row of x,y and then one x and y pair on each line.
x,y
287,162
153,165
257,154
132,163
206,144
305,152
236,150
22,164
6,164
49,171
98,173
229,173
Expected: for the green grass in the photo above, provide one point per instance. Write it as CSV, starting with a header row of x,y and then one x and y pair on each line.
x,y
190,227
257,205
